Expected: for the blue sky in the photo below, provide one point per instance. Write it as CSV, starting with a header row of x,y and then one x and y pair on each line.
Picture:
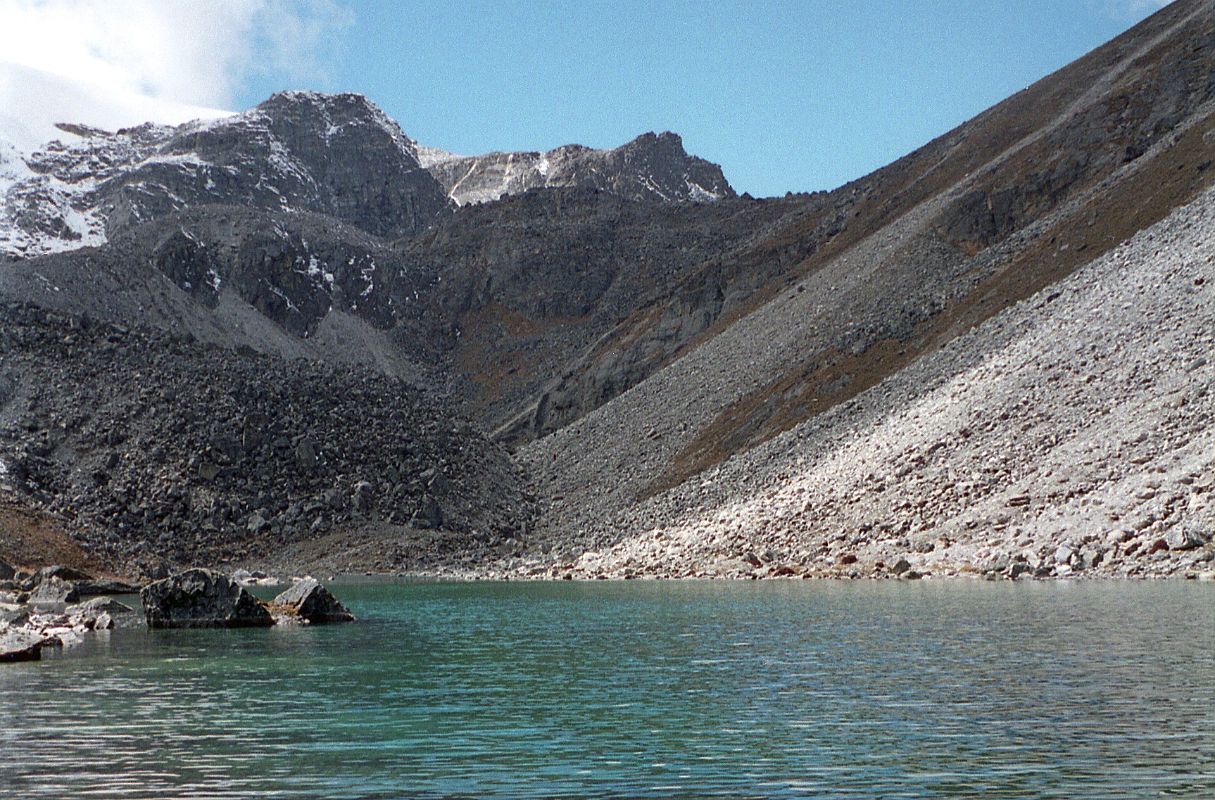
x,y
785,95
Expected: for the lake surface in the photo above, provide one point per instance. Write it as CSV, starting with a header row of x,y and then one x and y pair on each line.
x,y
640,689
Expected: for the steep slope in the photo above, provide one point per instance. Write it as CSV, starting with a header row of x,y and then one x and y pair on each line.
x,y
1070,168
1072,433
153,448
651,167
527,285
290,284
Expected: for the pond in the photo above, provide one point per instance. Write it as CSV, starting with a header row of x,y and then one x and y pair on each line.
x,y
642,689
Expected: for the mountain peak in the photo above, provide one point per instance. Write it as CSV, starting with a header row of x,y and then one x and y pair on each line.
x,y
653,166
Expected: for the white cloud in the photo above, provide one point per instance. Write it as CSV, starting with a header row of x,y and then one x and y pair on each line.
x,y
188,51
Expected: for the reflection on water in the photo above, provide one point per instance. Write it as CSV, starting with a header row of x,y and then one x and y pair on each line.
x,y
642,690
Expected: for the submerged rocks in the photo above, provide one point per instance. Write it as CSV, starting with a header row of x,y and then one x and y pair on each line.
x,y
307,600
200,598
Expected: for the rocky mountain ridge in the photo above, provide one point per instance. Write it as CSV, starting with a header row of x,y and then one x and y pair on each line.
x,y
338,155
652,166
333,154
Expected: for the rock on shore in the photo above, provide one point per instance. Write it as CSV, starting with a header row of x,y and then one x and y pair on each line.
x,y
20,644
200,598
308,601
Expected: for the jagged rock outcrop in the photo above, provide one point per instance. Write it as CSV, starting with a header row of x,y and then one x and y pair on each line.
x,y
333,154
292,268
337,155
200,598
309,601
651,167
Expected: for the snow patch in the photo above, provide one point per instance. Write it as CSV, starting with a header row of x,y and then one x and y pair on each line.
x,y
316,273
699,194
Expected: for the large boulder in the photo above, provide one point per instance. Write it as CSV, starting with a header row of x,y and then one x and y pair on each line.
x,y
63,573
20,644
96,614
54,591
7,571
200,598
1186,537
308,600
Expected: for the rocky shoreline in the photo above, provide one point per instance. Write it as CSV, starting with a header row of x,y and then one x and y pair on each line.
x,y
47,608
44,609
1182,554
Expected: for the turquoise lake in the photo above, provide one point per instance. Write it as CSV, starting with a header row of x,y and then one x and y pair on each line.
x,y
642,689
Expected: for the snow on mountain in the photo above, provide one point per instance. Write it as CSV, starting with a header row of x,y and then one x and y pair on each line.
x,y
34,102
55,148
79,163
333,154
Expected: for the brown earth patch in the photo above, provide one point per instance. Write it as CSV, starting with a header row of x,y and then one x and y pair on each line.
x,y
31,539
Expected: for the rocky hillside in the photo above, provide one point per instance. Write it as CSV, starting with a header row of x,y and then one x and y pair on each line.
x,y
651,167
903,276
154,448
1068,435
269,258
529,289
742,383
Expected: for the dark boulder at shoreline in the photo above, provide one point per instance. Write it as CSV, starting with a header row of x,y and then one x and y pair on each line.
x,y
308,601
200,598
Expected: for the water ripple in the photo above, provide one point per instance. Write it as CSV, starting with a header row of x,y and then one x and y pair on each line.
x,y
642,690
